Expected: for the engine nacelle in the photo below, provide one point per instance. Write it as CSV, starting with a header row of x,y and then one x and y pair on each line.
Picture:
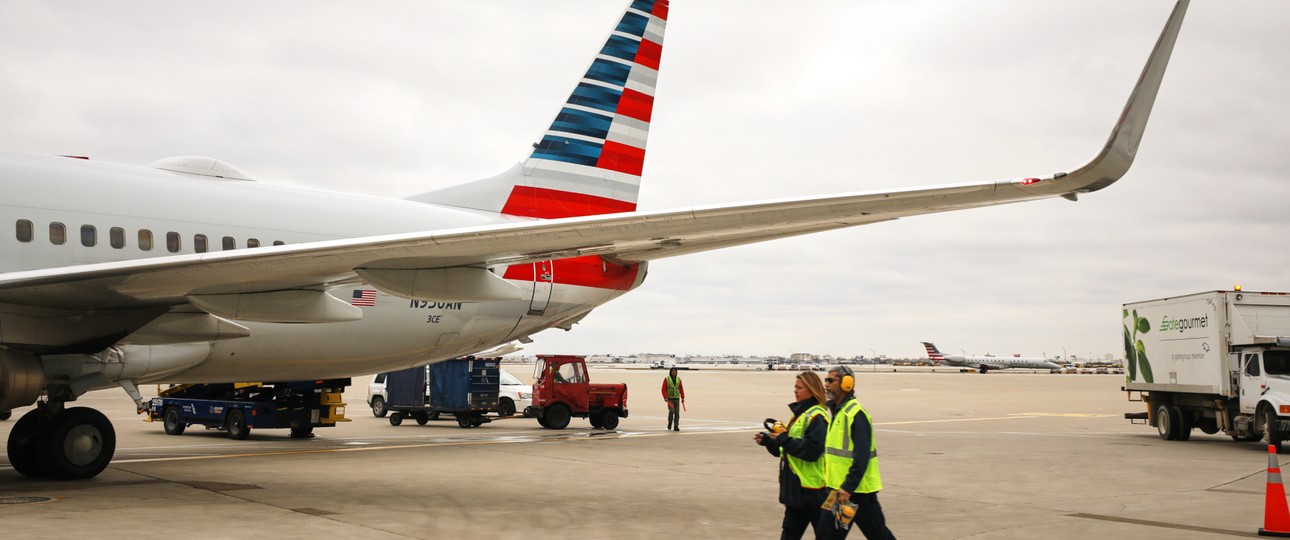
x,y
21,379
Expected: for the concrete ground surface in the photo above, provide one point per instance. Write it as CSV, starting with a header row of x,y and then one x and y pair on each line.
x,y
963,455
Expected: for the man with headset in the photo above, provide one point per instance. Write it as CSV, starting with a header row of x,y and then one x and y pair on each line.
x,y
851,456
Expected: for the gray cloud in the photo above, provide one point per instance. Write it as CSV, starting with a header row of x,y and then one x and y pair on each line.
x,y
755,101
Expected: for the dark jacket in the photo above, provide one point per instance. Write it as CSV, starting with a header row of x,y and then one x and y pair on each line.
x,y
861,434
808,448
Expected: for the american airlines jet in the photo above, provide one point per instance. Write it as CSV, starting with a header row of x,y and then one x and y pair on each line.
x,y
987,363
189,270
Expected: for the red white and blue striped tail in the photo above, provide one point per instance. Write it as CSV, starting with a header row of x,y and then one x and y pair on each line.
x,y
933,353
589,161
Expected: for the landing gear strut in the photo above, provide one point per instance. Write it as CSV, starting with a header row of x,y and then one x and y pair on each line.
x,y
66,444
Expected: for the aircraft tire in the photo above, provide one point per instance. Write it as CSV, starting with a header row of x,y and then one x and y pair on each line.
x,y
80,444
26,446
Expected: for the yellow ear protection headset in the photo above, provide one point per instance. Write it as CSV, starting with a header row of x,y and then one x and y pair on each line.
x,y
848,382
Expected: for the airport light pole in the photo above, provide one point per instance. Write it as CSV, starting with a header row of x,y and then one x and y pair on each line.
x,y
873,362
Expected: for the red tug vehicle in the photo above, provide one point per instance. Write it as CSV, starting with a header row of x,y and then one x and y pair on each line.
x,y
562,390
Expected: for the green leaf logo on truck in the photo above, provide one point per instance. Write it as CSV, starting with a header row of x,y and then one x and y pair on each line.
x,y
1135,353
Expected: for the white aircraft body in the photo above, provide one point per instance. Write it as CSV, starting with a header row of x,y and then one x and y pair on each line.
x,y
987,363
189,271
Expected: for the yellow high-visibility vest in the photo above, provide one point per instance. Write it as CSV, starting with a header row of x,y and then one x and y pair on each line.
x,y
811,473
838,453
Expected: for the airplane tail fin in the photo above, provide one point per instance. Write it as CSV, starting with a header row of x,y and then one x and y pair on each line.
x,y
933,353
589,160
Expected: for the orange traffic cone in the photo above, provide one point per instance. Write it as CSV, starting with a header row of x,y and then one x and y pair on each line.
x,y
1276,513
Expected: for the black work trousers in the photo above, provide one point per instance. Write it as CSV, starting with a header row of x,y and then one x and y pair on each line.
x,y
869,519
796,519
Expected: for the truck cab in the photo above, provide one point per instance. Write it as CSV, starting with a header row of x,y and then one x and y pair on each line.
x,y
1263,384
562,389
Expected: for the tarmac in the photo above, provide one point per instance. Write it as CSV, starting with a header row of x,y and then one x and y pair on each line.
x,y
963,455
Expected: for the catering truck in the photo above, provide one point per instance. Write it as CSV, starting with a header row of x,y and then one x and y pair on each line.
x,y
1215,361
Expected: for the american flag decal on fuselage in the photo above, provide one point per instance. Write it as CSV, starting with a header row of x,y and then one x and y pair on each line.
x,y
363,297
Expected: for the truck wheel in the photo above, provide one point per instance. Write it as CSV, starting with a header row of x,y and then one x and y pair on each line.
x,y
237,428
378,407
595,421
434,415
1208,426
423,419
542,421
396,418
557,416
1183,422
305,432
1167,422
463,420
609,419
505,407
1272,429
170,421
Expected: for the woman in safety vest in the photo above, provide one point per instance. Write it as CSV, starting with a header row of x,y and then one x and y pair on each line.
x,y
800,448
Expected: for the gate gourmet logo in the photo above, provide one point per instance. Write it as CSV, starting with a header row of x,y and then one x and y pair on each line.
x,y
1181,325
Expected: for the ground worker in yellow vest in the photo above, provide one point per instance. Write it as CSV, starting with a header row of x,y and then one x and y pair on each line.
x,y
800,449
851,457
674,395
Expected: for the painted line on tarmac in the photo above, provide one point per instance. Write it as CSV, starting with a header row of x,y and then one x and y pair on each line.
x,y
951,420
579,436
1162,525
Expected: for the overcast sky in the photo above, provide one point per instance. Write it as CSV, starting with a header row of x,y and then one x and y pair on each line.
x,y
756,100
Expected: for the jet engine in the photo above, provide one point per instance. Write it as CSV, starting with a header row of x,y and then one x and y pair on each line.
x,y
21,379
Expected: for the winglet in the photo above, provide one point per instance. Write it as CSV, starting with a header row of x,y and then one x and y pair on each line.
x,y
1121,147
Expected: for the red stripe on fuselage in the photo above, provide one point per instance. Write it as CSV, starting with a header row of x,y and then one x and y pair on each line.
x,y
552,203
590,271
622,158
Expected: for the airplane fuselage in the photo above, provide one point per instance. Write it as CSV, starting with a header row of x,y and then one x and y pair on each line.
x,y
66,212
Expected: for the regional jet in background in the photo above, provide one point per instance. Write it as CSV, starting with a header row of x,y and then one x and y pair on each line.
x,y
190,271
987,363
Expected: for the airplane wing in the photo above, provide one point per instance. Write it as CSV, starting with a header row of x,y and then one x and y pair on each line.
x,y
627,237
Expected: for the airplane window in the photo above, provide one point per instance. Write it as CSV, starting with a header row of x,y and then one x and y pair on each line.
x,y
229,243
172,242
145,239
57,233
279,243
89,236
199,243
116,236
252,242
24,230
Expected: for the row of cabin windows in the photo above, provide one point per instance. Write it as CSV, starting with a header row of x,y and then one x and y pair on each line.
x,y
116,238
